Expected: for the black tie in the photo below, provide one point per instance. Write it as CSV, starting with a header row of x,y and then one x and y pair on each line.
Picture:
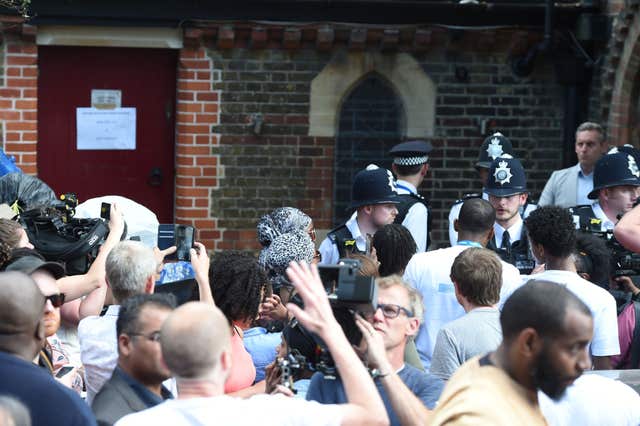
x,y
506,243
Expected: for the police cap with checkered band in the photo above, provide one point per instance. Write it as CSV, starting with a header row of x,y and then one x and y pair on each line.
x,y
411,153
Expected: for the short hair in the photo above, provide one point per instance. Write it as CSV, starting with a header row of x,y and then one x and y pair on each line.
x,y
409,170
9,232
553,228
592,256
476,216
591,126
416,304
129,265
541,305
478,276
192,339
129,313
395,247
236,281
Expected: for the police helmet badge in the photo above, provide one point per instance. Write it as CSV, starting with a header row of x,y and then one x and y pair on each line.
x,y
633,166
494,149
503,173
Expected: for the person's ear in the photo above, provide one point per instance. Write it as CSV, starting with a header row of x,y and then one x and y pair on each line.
x,y
394,169
413,325
149,285
124,344
585,276
538,251
528,344
39,333
456,227
424,169
368,209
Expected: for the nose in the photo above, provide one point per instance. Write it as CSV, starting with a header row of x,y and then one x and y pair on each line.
x,y
395,210
584,360
48,307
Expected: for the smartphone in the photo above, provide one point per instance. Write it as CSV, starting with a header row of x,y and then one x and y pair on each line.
x,y
63,371
181,236
105,211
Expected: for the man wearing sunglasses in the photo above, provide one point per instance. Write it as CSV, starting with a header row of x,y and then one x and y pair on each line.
x,y
53,355
136,382
395,320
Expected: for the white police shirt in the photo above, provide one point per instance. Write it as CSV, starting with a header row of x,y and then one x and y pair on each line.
x,y
601,304
329,250
416,218
429,274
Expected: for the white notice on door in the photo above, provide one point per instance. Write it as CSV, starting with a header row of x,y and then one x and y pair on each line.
x,y
106,129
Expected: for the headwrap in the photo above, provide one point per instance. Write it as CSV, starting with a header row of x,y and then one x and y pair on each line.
x,y
284,249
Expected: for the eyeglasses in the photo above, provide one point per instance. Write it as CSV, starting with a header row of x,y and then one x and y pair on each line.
x,y
153,337
56,300
392,311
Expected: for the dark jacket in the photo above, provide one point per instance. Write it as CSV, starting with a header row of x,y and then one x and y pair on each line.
x,y
115,400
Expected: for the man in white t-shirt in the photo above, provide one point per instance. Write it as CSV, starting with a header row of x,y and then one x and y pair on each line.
x,y
553,239
430,274
196,346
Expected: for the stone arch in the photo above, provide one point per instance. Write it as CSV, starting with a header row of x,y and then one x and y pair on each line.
x,y
346,69
624,80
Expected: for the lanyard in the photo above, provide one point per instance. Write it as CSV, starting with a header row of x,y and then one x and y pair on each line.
x,y
469,243
406,188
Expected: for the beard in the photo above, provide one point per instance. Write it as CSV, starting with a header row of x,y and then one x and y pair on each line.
x,y
550,379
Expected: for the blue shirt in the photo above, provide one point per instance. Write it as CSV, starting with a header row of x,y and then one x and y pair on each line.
x,y
261,345
425,386
48,402
585,186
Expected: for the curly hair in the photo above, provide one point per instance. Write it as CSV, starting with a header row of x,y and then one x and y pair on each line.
x,y
236,281
394,246
553,228
592,257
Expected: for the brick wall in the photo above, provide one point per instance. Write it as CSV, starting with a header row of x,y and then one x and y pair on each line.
x,y
282,166
18,95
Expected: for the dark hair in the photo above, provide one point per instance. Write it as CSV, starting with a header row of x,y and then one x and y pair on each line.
x,y
540,305
478,276
236,281
394,246
476,216
129,313
9,232
593,257
408,170
552,227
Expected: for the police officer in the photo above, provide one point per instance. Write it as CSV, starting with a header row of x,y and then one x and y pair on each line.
x,y
507,190
493,147
374,197
616,179
410,165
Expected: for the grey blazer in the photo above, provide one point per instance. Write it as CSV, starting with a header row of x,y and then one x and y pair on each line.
x,y
115,400
561,188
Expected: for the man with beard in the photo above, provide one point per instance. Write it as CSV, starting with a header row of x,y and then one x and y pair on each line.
x,y
374,199
546,333
136,382
553,239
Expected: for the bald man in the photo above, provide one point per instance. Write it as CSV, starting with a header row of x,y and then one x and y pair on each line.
x,y
21,337
196,346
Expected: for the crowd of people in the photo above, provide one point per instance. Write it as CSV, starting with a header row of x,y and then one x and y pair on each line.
x,y
496,329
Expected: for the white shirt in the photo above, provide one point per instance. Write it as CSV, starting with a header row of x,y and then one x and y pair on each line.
x,y
429,274
601,304
329,250
263,410
585,186
606,224
515,231
593,400
416,219
98,349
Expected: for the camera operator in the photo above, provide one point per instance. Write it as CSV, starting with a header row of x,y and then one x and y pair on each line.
x,y
615,181
627,230
405,390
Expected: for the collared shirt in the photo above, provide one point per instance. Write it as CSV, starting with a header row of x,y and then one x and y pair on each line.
x,y
329,251
515,231
98,349
606,224
149,398
416,218
585,186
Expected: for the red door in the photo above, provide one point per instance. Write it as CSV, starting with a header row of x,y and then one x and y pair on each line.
x,y
146,79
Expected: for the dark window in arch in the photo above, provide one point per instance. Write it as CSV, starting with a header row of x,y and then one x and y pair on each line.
x,y
372,120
